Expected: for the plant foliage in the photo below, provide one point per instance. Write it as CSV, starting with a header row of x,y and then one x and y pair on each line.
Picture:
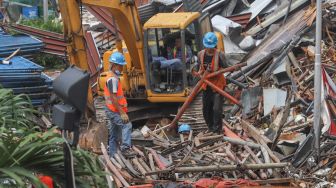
x,y
53,24
26,153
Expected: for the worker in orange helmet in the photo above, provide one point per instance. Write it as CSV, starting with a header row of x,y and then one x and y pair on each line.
x,y
116,111
212,60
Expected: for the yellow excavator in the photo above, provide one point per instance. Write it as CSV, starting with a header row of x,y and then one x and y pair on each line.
x,y
150,78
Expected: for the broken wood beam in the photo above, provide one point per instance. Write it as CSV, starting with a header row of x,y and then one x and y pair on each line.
x,y
140,167
231,140
112,167
227,168
275,181
157,159
262,173
147,168
241,142
254,133
128,164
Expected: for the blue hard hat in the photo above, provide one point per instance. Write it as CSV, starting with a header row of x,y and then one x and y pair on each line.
x,y
117,58
210,40
184,128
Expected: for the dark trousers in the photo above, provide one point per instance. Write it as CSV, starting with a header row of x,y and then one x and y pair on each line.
x,y
213,110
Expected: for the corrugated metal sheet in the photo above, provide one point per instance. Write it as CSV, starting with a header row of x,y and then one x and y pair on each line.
x,y
141,2
192,6
104,16
104,41
285,34
24,76
256,7
276,15
213,5
27,44
53,42
20,64
94,59
168,2
147,11
36,32
242,19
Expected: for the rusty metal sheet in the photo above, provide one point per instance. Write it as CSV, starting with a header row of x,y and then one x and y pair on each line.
x,y
141,2
54,42
242,19
37,32
93,53
94,59
104,16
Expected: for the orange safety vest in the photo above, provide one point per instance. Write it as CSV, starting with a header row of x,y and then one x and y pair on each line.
x,y
120,96
218,80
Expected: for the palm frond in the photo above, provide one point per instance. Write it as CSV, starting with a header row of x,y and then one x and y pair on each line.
x,y
25,152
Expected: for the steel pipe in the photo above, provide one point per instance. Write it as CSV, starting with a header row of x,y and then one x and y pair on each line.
x,y
317,78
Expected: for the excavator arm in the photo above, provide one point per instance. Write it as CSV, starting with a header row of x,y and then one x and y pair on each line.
x,y
74,36
126,15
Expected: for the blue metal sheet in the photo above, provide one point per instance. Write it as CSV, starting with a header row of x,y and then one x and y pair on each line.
x,y
24,76
20,64
23,48
17,40
22,51
37,102
26,44
25,83
19,78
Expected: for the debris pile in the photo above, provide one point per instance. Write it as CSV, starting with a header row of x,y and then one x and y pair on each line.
x,y
269,140
192,157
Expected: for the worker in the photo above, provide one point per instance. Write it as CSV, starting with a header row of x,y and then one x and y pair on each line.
x,y
176,52
116,108
212,60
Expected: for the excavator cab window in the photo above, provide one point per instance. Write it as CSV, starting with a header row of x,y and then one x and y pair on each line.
x,y
170,54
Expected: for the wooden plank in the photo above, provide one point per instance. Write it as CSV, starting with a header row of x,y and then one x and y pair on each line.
x,y
255,134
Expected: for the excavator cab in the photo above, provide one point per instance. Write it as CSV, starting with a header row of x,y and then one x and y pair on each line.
x,y
171,43
167,50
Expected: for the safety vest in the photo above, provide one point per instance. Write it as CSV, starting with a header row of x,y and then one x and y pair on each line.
x,y
120,96
218,80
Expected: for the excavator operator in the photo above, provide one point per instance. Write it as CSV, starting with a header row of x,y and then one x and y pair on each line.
x,y
176,52
116,108
212,60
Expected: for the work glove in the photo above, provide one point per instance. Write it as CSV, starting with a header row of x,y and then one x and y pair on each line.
x,y
124,117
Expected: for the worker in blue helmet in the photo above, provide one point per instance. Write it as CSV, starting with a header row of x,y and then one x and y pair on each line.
x,y
212,60
116,108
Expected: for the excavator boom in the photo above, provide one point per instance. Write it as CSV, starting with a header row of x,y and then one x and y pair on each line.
x,y
126,15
